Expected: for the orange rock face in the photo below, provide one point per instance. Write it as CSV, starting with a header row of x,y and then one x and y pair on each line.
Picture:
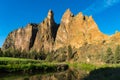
x,y
77,31
47,36
38,37
21,39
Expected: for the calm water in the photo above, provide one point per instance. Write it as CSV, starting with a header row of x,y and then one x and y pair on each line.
x,y
71,74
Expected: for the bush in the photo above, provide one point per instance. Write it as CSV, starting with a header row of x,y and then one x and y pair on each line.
x,y
50,56
18,54
7,53
41,55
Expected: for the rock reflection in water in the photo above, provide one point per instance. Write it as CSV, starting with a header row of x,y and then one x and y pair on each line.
x,y
71,74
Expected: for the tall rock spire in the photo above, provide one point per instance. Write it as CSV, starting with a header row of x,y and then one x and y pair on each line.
x,y
50,14
64,27
46,34
66,17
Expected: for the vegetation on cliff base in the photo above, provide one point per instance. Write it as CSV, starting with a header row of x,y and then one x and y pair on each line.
x,y
18,54
28,65
68,53
112,57
108,58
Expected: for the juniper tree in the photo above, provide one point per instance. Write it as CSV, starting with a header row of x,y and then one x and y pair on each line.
x,y
117,54
69,52
109,56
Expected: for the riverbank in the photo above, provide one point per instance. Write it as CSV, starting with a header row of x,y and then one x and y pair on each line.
x,y
89,66
8,64
91,71
98,72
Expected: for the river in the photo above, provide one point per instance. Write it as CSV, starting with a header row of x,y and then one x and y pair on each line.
x,y
70,74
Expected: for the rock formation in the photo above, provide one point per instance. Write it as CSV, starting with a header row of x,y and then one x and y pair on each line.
x,y
21,39
75,30
46,34
38,37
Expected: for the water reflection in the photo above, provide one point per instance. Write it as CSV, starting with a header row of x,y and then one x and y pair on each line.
x,y
71,74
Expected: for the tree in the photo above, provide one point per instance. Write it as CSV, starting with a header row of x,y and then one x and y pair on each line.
x,y
69,52
7,53
39,55
109,58
117,54
33,54
1,53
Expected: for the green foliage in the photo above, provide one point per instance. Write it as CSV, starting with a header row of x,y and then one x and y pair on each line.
x,y
117,54
109,58
8,64
11,53
98,72
88,67
41,55
8,60
18,54
83,66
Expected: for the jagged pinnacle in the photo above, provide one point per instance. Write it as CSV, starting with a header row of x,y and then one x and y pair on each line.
x,y
50,14
67,16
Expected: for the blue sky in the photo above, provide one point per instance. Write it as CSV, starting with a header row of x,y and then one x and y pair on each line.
x,y
17,13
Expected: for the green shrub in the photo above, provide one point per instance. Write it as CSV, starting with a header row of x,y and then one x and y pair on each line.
x,y
8,64
41,55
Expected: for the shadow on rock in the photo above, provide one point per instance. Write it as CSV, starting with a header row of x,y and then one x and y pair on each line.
x,y
104,74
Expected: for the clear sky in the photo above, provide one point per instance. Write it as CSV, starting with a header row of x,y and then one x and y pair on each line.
x,y
17,13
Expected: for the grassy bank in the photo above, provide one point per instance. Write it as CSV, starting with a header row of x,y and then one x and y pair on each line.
x,y
99,72
27,65
83,66
90,67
